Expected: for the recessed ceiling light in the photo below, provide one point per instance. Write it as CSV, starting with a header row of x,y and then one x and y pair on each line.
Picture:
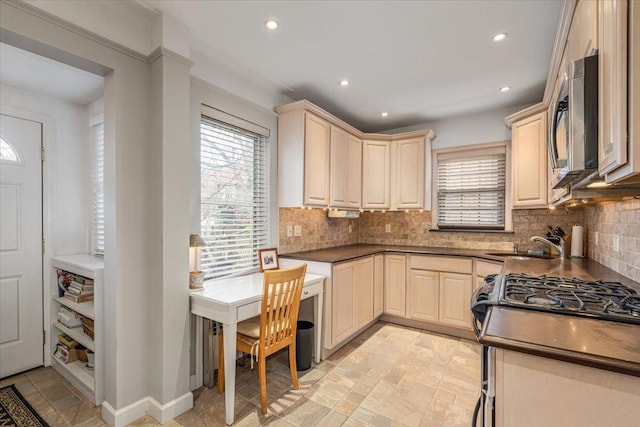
x,y
271,24
505,88
384,114
499,37
344,82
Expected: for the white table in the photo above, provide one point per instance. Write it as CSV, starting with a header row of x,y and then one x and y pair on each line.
x,y
235,299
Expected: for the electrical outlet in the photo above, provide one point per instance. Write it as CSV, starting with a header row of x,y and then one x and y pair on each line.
x,y
289,230
596,239
616,243
387,228
297,230
350,228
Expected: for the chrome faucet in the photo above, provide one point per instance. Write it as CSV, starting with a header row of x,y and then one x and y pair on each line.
x,y
559,248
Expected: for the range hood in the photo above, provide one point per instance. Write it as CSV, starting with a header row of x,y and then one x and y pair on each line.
x,y
343,214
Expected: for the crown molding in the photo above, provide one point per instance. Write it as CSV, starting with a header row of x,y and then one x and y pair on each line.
x,y
527,112
306,105
163,51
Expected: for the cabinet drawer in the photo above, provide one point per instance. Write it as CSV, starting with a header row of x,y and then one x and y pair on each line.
x,y
311,290
437,263
485,268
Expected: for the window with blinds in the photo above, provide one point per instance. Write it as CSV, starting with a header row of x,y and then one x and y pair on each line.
x,y
97,176
234,197
471,189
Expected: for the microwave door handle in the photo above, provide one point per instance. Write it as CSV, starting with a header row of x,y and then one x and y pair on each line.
x,y
553,110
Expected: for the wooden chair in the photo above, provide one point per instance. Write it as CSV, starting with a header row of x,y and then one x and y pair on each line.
x,y
274,329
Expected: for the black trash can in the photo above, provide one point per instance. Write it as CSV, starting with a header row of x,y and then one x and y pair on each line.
x,y
304,345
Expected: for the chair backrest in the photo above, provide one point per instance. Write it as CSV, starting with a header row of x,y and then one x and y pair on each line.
x,y
280,306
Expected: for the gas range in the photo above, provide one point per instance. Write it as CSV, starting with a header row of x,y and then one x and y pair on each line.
x,y
597,299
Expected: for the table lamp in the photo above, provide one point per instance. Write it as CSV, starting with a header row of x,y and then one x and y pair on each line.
x,y
196,276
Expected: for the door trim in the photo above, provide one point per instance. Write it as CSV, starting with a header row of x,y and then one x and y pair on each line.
x,y
47,142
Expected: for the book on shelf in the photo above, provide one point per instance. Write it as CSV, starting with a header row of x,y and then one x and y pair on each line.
x,y
78,298
69,320
67,340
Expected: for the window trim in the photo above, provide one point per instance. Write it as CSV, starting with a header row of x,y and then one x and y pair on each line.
x,y
460,151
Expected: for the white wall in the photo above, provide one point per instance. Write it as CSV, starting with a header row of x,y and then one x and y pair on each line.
x,y
486,126
67,162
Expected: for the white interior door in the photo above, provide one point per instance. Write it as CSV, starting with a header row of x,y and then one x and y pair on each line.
x,y
21,327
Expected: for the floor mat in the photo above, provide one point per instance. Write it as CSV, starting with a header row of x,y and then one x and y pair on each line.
x,y
16,411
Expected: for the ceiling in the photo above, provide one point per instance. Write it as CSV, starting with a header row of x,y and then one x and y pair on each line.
x,y
34,73
417,60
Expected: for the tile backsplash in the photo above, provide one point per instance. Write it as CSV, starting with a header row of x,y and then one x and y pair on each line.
x,y
412,228
621,219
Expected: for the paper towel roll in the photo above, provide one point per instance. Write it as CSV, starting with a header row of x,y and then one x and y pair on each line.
x,y
577,237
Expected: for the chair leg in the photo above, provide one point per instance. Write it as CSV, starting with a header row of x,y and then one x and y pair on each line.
x,y
293,366
220,363
262,371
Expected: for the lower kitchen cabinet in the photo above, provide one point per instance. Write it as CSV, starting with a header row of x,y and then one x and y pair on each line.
x,y
439,290
455,295
482,269
571,394
422,295
395,267
378,285
352,298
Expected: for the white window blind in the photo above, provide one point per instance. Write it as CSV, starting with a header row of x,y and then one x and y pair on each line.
x,y
234,197
471,189
97,228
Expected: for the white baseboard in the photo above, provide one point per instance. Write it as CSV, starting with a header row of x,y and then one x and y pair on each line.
x,y
127,415
170,410
148,405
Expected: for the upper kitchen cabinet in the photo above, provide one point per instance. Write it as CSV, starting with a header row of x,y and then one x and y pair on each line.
x,y
376,174
304,141
529,170
618,79
395,171
583,35
410,176
345,170
325,162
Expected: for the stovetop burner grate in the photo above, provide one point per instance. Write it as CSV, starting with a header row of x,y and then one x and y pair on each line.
x,y
605,300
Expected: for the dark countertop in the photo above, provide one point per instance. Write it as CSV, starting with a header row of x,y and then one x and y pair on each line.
x,y
613,346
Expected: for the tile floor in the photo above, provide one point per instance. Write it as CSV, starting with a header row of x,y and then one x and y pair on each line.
x,y
388,376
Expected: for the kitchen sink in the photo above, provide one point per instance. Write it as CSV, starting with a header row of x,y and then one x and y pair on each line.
x,y
522,256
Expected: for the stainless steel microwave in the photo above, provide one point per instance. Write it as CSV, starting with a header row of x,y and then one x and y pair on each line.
x,y
573,124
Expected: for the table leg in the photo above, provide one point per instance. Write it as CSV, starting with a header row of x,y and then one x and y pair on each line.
x,y
230,330
318,329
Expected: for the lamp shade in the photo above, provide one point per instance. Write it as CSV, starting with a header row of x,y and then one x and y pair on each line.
x,y
196,241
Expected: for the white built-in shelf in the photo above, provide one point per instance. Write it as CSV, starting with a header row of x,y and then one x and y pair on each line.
x,y
78,374
89,382
84,308
76,334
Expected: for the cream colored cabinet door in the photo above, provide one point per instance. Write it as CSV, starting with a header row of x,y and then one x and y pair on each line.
x,y
346,169
612,84
354,172
395,284
455,296
376,171
529,161
317,147
338,168
364,289
410,173
342,302
378,285
422,295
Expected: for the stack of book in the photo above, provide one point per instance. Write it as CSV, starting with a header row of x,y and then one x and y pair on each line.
x,y
80,290
69,318
68,350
